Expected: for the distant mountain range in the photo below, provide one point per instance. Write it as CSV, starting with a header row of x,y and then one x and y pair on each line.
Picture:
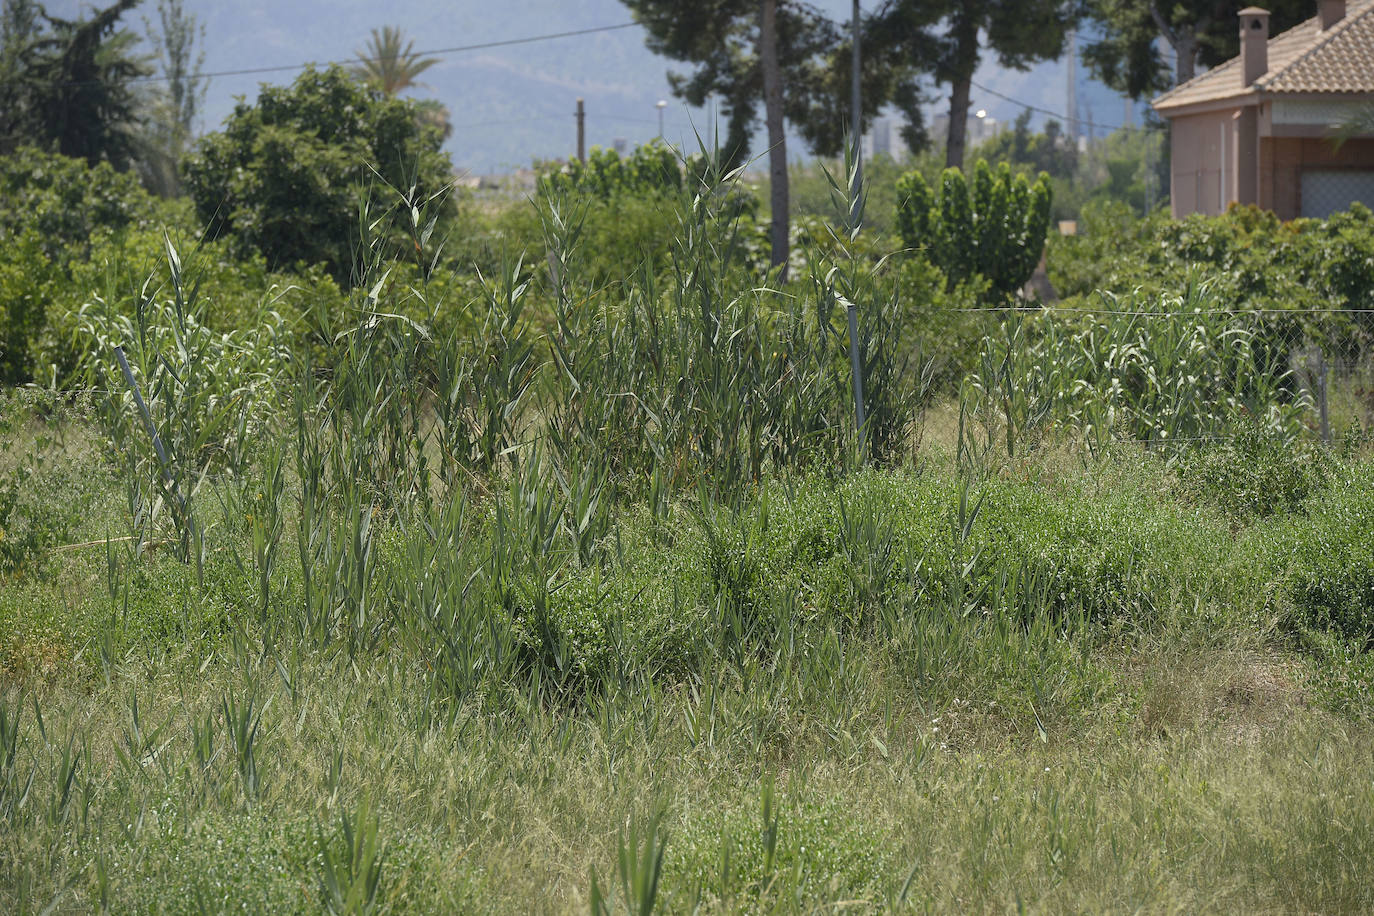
x,y
514,104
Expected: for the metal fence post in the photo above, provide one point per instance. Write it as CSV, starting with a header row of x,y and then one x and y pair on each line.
x,y
1322,411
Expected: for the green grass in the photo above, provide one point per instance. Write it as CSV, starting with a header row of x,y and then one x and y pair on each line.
x,y
1214,795
604,609
937,737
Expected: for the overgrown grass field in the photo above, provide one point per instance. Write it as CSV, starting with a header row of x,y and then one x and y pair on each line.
x,y
596,600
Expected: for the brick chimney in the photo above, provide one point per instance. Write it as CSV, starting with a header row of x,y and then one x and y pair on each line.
x,y
1329,12
1254,44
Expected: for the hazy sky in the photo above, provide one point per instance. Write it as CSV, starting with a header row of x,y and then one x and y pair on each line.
x,y
512,104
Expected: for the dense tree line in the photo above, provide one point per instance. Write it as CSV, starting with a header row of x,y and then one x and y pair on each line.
x,y
791,60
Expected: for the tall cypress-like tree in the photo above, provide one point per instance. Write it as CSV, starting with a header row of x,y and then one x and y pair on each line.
x,y
72,80
20,30
953,34
1129,57
778,52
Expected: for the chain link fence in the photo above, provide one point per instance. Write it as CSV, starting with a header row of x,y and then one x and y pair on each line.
x,y
1169,374
1328,191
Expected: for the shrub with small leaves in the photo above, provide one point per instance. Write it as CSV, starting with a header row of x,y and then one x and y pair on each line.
x,y
1255,473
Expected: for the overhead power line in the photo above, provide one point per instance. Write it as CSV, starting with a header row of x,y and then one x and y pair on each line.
x,y
591,116
1054,114
459,49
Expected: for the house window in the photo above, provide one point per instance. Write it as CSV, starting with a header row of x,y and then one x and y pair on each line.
x,y
1327,191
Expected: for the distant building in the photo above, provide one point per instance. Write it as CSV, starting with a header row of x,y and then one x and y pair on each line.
x,y
884,138
620,145
880,138
977,131
1257,129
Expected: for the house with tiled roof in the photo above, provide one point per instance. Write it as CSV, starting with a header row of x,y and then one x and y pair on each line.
x,y
1258,129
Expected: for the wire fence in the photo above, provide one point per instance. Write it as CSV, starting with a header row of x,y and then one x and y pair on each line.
x,y
1152,375
1176,370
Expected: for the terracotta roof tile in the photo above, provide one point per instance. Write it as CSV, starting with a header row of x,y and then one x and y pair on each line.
x,y
1303,59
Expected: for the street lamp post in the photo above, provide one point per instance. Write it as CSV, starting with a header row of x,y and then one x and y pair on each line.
x,y
660,105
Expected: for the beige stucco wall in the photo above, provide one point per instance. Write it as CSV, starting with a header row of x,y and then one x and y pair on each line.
x,y
1199,167
1207,167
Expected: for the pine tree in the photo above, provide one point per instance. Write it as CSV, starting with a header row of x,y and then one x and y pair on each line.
x,y
777,52
81,71
1129,57
950,36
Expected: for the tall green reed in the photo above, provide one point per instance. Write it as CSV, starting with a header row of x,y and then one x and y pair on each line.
x,y
210,396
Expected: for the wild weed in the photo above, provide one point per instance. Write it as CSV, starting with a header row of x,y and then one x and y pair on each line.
x,y
350,880
208,396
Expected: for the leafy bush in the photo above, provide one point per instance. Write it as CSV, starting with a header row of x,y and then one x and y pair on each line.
x,y
647,619
29,280
64,200
1280,272
628,210
849,548
54,212
784,854
72,232
651,168
284,176
1161,370
1330,578
234,293
619,236
1253,473
1341,673
993,226
867,555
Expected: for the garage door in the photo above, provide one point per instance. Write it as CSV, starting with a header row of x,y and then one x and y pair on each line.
x,y
1327,191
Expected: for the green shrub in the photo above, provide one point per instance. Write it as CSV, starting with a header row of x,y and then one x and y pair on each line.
x,y
1341,673
629,210
55,211
853,556
992,226
647,618
1161,369
64,200
234,293
1280,273
284,176
941,325
620,236
650,169
29,280
894,539
1253,473
1330,569
794,854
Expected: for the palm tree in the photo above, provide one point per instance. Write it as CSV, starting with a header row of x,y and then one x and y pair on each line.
x,y
389,67
1357,123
